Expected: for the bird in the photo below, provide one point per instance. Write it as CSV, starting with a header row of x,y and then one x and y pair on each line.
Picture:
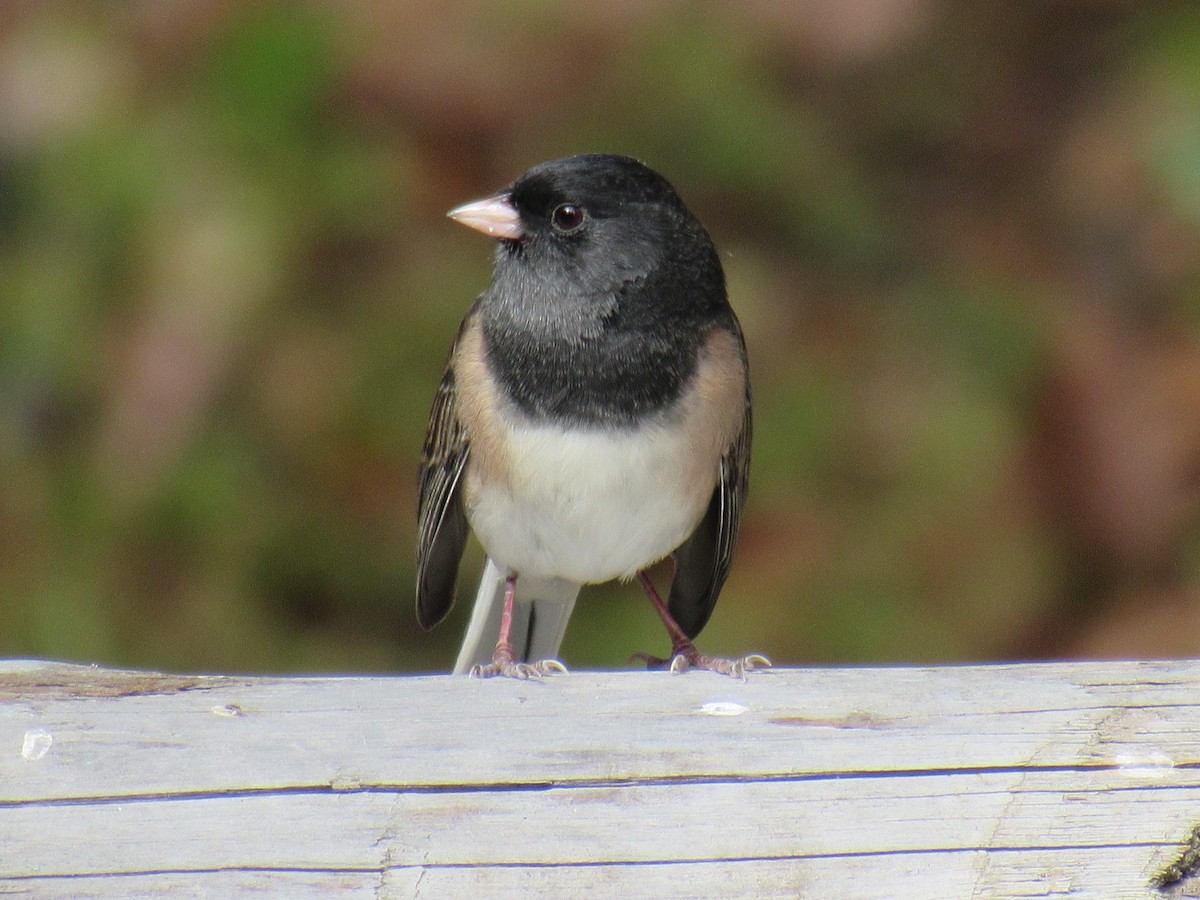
x,y
594,418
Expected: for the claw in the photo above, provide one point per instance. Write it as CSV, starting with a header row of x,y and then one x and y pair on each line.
x,y
688,657
510,669
551,667
739,667
503,670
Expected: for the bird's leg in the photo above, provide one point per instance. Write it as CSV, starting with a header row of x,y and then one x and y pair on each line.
x,y
504,660
684,654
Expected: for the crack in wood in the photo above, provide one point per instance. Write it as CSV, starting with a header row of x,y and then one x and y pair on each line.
x,y
347,788
595,863
319,789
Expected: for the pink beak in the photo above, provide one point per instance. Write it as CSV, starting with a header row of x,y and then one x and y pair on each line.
x,y
494,216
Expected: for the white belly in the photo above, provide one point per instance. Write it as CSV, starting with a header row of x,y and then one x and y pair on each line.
x,y
589,507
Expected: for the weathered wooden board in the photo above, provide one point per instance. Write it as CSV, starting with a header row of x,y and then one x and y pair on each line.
x,y
989,781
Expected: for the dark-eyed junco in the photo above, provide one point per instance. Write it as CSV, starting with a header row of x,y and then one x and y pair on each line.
x,y
594,417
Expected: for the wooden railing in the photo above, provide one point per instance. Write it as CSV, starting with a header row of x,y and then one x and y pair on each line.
x,y
1046,780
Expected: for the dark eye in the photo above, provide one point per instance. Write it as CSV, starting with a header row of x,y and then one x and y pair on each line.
x,y
567,217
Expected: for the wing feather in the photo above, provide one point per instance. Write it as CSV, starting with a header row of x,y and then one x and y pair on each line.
x,y
441,522
702,563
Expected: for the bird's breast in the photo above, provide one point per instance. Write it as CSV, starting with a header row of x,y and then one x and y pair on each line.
x,y
549,498
588,505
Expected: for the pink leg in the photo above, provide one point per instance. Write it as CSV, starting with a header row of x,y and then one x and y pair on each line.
x,y
504,648
504,660
684,654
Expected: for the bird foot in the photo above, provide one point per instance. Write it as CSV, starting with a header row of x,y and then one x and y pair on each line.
x,y
503,665
688,657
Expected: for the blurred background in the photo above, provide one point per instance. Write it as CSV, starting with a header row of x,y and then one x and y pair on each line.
x,y
963,239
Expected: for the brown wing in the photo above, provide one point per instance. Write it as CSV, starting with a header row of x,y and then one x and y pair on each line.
x,y
441,522
702,562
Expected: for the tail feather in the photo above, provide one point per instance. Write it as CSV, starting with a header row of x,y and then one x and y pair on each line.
x,y
541,611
